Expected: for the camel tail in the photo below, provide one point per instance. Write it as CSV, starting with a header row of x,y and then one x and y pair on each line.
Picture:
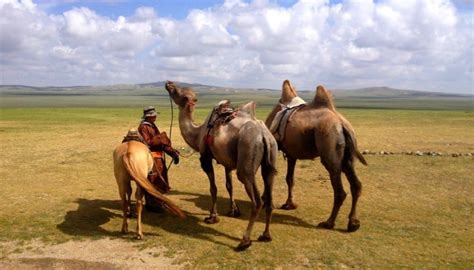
x,y
351,149
270,150
145,184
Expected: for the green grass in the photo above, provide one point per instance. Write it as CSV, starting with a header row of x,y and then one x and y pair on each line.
x,y
264,99
57,184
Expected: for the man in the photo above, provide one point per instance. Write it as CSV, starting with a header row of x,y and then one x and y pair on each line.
x,y
159,144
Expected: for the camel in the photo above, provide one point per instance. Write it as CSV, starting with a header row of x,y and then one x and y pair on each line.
x,y
133,161
243,144
318,130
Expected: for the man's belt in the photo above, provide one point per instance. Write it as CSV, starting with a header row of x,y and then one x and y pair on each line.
x,y
157,154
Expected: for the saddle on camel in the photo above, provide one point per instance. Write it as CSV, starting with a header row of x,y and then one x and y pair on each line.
x,y
159,144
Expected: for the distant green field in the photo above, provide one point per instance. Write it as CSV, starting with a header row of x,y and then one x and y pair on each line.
x,y
264,99
416,212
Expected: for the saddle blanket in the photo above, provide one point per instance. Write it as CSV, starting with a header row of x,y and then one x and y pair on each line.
x,y
281,118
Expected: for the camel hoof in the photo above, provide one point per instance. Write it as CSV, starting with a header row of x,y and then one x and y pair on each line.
x,y
265,238
244,244
211,220
289,206
139,237
129,213
353,225
124,231
235,212
326,225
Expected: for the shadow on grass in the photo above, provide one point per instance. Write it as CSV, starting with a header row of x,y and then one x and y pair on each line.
x,y
223,205
90,215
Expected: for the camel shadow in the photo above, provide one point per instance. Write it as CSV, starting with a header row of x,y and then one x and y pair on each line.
x,y
223,204
90,215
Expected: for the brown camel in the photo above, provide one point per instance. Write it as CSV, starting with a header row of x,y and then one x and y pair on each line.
x,y
242,144
133,161
318,130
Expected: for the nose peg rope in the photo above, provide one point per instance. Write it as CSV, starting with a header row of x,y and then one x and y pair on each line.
x,y
171,130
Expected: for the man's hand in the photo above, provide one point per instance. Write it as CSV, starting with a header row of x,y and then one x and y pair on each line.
x,y
175,156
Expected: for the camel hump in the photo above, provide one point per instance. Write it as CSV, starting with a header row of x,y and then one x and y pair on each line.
x,y
288,92
249,108
323,98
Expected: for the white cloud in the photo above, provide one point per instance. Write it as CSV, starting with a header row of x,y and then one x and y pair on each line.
x,y
419,44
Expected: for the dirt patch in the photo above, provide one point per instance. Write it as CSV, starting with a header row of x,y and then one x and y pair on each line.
x,y
50,263
89,254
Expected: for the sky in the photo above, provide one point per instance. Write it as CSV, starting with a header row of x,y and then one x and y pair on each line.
x,y
342,44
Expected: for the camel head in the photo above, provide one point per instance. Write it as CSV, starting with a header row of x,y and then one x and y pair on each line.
x,y
288,92
183,97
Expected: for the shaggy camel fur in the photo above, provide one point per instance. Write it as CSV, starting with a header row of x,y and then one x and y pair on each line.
x,y
133,161
318,130
243,144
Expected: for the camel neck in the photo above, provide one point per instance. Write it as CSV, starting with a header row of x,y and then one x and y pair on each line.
x,y
189,130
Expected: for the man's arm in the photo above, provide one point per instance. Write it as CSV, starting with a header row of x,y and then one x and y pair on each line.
x,y
147,134
158,142
167,147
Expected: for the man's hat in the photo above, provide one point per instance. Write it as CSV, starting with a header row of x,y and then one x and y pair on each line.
x,y
149,112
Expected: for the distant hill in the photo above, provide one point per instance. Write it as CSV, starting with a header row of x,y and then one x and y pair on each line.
x,y
371,97
183,84
387,92
150,89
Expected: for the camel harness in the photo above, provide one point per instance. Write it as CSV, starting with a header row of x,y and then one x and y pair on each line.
x,y
222,114
281,119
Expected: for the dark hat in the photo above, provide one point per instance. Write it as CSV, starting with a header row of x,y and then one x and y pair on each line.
x,y
149,111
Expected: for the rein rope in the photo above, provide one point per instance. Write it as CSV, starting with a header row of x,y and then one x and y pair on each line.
x,y
171,129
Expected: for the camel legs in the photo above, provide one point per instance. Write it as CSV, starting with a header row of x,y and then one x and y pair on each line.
x,y
234,209
339,197
268,202
356,190
139,196
206,165
254,196
290,181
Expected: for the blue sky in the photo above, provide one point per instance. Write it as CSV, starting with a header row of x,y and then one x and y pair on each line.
x,y
413,44
177,9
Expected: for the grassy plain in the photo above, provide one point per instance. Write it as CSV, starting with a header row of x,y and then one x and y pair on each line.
x,y
57,185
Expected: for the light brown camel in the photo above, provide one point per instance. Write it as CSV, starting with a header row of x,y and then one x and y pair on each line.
x,y
318,130
243,144
133,161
